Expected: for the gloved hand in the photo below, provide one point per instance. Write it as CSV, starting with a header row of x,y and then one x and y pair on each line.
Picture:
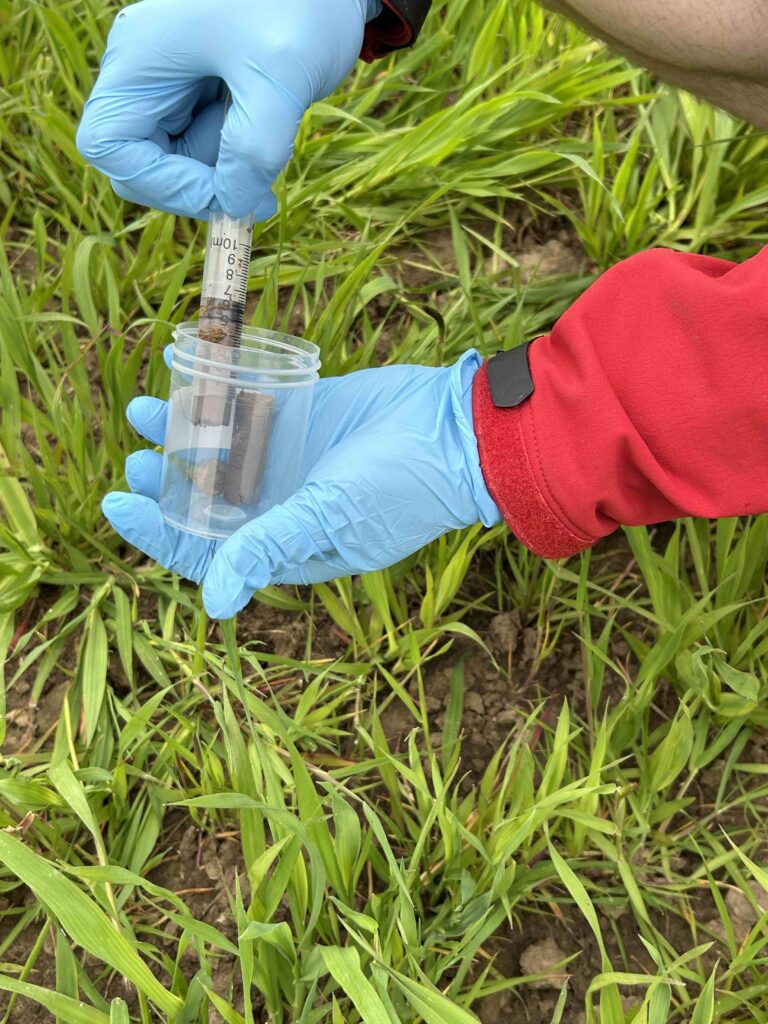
x,y
153,122
391,463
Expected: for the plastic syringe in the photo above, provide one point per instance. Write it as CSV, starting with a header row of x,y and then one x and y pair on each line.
x,y
244,418
225,278
222,306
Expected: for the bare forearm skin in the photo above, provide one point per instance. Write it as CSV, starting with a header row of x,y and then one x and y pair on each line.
x,y
716,49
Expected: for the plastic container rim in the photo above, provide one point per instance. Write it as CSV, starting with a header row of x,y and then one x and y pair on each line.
x,y
280,344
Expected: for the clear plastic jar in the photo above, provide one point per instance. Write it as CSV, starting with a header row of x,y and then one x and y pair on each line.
x,y
237,423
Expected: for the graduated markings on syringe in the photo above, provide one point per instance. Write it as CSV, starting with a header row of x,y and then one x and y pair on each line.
x,y
246,417
222,306
225,279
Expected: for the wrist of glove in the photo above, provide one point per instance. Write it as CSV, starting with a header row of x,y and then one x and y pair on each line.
x,y
391,464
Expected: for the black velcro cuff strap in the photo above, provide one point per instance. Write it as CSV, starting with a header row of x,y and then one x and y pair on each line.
x,y
509,377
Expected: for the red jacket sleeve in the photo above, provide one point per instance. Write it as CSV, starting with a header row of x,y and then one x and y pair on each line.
x,y
397,26
650,403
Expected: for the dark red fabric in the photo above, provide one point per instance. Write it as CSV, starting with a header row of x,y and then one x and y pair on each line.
x,y
389,31
650,403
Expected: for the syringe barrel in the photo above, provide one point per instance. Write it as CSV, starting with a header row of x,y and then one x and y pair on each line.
x,y
222,305
225,278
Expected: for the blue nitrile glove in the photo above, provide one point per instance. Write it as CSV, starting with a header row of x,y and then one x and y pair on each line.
x,y
391,463
153,122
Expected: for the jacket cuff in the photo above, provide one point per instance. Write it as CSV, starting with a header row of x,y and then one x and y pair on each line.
x,y
513,473
649,404
397,26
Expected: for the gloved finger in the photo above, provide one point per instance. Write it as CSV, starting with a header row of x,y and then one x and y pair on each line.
x,y
315,570
168,355
118,135
148,416
173,184
143,471
256,143
199,141
265,550
138,520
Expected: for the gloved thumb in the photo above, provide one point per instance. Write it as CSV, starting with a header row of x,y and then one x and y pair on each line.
x,y
256,144
264,551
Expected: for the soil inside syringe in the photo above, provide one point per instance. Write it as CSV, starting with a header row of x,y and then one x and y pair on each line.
x,y
221,321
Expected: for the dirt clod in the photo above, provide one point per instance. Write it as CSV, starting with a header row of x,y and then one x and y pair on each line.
x,y
474,702
555,256
740,911
542,958
503,631
739,907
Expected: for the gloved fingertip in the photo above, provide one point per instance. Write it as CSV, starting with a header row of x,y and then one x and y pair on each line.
x,y
133,470
116,507
217,609
239,203
143,472
111,502
148,416
168,355
133,411
223,605
266,207
226,590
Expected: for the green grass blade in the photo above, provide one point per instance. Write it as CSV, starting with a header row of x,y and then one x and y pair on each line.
x,y
68,1010
94,673
82,920
344,966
